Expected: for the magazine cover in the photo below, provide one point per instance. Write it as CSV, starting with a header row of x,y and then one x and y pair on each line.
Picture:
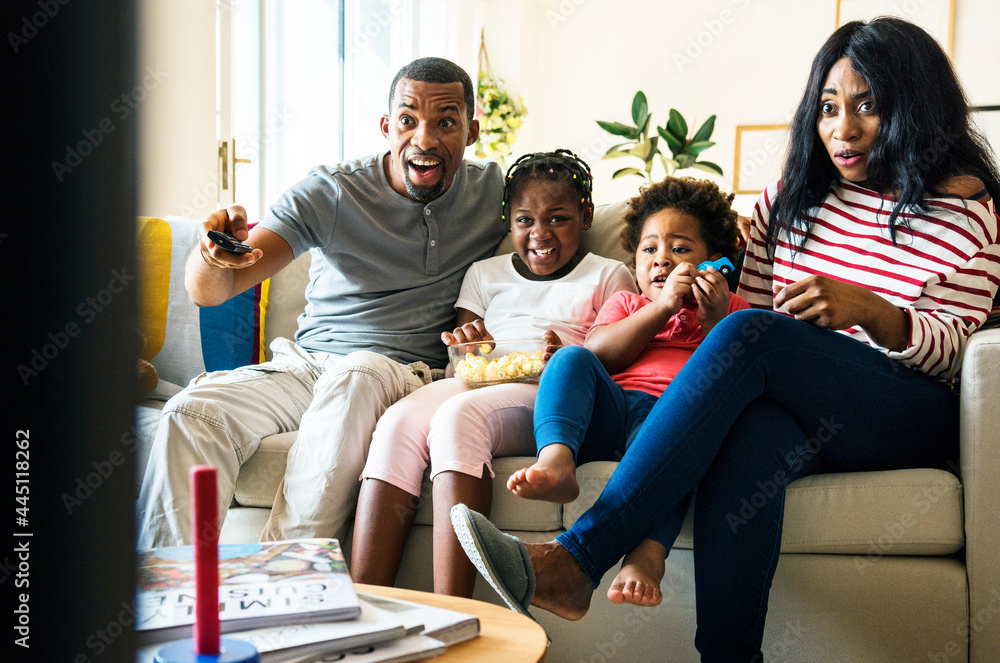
x,y
260,584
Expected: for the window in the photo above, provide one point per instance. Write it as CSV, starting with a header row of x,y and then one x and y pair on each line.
x,y
304,82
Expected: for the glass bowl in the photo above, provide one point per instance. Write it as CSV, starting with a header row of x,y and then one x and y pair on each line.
x,y
498,361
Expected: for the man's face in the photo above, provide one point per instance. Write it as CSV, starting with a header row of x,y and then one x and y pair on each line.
x,y
428,132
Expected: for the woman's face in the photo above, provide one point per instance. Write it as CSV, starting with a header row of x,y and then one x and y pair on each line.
x,y
848,120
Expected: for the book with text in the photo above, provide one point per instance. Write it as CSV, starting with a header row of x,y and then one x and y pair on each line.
x,y
260,584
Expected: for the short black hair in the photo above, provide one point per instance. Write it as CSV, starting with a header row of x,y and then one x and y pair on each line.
x,y
437,70
702,199
558,166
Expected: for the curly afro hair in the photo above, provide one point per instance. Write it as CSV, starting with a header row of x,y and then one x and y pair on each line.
x,y
701,199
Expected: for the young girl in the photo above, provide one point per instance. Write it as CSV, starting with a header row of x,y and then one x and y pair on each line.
x,y
584,413
543,290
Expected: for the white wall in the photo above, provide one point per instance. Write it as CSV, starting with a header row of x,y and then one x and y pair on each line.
x,y
177,135
746,61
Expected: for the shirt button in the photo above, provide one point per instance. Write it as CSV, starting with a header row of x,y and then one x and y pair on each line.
x,y
434,242
427,211
682,317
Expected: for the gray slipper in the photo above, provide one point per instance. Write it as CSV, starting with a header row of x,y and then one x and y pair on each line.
x,y
501,558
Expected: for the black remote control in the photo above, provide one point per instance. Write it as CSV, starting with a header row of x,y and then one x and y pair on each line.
x,y
228,242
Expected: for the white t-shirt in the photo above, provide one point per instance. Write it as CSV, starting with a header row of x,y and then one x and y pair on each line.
x,y
515,307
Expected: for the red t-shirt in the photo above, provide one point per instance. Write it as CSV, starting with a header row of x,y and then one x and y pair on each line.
x,y
669,350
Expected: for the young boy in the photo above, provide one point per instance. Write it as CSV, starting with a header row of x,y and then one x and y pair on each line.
x,y
593,400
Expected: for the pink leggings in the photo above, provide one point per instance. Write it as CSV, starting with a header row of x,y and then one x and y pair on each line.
x,y
452,427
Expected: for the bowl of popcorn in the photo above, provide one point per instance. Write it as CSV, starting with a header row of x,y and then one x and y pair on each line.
x,y
499,361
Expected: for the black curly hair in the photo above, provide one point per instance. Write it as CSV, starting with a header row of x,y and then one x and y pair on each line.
x,y
701,199
559,166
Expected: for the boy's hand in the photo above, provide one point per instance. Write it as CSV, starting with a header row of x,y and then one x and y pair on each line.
x,y
470,332
552,343
711,292
677,288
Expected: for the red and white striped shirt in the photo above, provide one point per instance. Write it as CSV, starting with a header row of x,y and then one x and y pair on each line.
x,y
943,272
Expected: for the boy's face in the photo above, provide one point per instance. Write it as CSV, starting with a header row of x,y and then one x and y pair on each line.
x,y
668,238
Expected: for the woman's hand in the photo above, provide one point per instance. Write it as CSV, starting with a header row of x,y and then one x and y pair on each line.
x,y
711,292
831,304
743,223
470,332
552,343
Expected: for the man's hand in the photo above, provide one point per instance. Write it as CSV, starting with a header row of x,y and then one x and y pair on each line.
x,y
232,221
470,332
552,343
711,292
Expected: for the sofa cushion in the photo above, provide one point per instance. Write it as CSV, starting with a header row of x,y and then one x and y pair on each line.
x,y
901,512
183,340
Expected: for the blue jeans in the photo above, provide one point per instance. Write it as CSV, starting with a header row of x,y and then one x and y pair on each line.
x,y
764,400
580,406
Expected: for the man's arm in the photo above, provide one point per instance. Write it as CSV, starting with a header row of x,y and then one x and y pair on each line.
x,y
213,275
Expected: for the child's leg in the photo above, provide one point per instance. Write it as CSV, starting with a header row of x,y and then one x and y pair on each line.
x,y
638,581
384,518
391,481
466,432
577,402
454,574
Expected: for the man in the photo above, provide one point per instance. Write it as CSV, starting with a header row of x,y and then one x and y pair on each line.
x,y
391,237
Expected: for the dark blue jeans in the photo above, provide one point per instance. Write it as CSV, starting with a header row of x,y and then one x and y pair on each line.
x,y
580,406
763,401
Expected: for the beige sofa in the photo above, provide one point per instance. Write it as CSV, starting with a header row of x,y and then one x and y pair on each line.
x,y
879,567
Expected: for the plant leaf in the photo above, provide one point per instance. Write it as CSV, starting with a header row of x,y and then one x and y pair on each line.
x,y
627,171
669,165
705,132
619,129
673,142
708,166
615,148
640,109
697,147
677,125
642,150
685,160
614,154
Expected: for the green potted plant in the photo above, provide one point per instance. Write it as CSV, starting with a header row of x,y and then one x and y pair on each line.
x,y
684,151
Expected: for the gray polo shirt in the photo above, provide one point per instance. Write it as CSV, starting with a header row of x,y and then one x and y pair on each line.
x,y
386,270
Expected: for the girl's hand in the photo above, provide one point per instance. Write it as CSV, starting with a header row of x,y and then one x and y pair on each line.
x,y
552,343
677,288
711,291
470,332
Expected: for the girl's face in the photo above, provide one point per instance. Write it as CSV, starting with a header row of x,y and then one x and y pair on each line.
x,y
546,224
668,238
848,120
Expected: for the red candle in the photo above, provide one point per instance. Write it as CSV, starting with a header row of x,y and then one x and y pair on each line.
x,y
206,560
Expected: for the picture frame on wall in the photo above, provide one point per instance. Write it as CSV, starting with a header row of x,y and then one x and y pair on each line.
x,y
987,120
760,153
935,16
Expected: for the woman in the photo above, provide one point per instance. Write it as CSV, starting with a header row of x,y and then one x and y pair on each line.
x,y
880,252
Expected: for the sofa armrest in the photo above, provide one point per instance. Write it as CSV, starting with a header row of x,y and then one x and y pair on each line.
x,y
980,441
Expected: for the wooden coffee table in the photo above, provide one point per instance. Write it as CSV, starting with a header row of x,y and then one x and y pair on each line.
x,y
504,635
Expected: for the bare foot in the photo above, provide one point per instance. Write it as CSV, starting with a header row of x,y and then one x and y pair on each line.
x,y
638,581
552,478
561,586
